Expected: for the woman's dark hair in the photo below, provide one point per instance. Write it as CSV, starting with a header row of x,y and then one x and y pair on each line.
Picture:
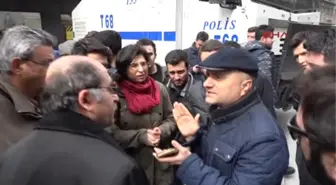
x,y
125,57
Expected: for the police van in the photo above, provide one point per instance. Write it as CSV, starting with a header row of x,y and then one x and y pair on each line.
x,y
174,24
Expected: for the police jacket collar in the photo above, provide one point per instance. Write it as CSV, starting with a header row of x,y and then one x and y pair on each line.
x,y
220,115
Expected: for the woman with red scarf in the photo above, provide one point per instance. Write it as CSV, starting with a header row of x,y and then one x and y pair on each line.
x,y
144,119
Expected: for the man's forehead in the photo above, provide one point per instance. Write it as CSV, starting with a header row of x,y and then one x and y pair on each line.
x,y
63,64
148,47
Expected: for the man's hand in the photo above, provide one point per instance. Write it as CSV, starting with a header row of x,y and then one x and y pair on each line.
x,y
186,123
174,160
153,136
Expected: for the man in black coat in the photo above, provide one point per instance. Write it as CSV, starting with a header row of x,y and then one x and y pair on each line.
x,y
69,146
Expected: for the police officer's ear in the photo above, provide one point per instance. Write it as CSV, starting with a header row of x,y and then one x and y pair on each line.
x,y
246,86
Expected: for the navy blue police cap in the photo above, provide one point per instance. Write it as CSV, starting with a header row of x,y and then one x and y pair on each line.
x,y
232,59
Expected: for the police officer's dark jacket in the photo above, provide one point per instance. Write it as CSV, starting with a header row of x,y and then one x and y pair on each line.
x,y
241,144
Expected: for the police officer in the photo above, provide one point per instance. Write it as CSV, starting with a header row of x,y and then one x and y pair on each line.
x,y
241,143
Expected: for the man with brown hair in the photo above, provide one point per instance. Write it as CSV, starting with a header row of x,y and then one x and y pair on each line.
x,y
251,33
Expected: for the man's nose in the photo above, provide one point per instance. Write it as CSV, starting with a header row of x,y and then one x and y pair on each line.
x,y
177,77
301,59
115,97
207,83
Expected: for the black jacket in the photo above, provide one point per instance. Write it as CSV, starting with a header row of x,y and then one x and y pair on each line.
x,y
265,90
193,55
67,148
194,59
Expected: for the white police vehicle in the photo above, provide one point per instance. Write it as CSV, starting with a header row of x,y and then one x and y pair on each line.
x,y
173,24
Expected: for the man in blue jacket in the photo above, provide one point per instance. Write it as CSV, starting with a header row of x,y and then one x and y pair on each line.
x,y
242,144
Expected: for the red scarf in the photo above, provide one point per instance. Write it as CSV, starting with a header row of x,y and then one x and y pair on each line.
x,y
141,97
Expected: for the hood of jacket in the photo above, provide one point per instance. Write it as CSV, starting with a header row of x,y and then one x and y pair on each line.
x,y
254,45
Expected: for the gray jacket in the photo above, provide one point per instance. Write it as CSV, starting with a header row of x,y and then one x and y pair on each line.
x,y
264,56
192,96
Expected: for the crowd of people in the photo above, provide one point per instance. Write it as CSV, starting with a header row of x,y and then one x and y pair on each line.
x,y
95,112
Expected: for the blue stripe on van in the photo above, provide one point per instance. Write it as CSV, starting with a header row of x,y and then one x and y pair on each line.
x,y
152,35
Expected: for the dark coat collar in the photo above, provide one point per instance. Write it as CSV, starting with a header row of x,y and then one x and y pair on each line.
x,y
219,115
74,123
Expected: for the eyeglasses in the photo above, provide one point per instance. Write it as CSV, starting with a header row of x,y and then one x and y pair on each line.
x,y
297,132
111,89
44,63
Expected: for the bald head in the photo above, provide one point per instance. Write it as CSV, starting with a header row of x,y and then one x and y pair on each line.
x,y
69,75
65,65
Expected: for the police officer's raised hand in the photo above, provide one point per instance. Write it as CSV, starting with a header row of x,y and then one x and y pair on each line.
x,y
187,124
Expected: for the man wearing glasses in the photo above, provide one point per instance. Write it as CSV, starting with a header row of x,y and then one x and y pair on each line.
x,y
314,124
69,145
25,55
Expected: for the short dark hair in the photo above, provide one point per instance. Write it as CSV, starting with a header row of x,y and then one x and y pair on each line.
x,y
90,45
263,30
300,37
91,34
125,57
211,45
318,103
231,44
111,39
252,29
202,36
174,57
147,42
323,43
